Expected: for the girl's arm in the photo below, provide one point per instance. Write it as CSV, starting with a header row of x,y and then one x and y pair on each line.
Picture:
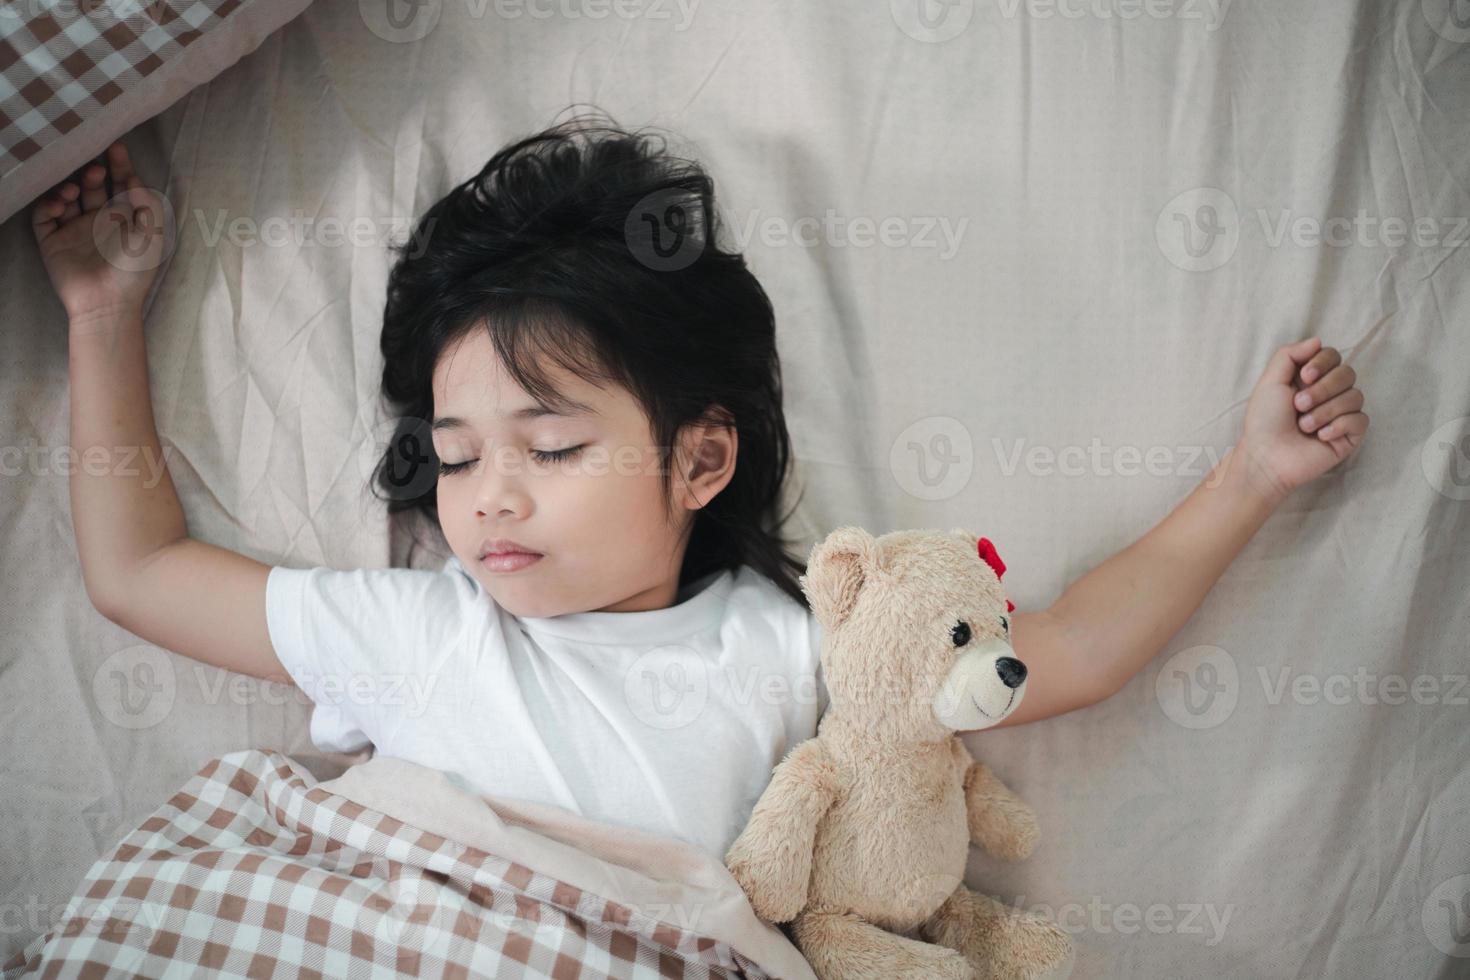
x,y
1112,621
140,568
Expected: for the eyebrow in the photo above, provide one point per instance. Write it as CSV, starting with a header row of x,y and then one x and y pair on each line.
x,y
570,409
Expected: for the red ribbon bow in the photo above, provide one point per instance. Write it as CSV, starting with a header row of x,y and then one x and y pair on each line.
x,y
987,552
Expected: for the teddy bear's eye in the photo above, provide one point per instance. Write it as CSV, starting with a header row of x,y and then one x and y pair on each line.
x,y
1005,624
960,633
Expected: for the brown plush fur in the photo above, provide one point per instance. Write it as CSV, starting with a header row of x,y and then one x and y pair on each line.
x,y
861,838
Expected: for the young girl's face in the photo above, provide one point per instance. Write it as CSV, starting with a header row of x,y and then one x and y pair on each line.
x,y
583,489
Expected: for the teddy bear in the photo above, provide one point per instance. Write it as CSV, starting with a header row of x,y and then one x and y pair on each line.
x,y
860,839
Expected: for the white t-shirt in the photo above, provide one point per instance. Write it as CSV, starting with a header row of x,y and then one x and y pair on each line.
x,y
668,720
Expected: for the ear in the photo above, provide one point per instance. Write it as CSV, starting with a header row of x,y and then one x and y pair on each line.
x,y
707,462
966,535
839,566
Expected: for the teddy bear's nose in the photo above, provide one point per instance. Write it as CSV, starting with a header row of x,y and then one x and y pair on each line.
x,y
1012,672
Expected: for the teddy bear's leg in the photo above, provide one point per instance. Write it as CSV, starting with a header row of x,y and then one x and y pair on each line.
x,y
841,946
1001,943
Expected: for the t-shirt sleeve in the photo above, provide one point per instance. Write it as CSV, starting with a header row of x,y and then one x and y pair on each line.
x,y
359,642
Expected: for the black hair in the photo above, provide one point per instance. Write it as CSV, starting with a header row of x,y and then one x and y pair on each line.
x,y
590,245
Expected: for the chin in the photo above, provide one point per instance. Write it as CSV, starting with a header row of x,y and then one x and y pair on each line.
x,y
513,601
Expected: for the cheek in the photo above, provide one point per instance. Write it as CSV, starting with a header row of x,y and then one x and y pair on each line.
x,y
643,505
454,519
608,498
623,506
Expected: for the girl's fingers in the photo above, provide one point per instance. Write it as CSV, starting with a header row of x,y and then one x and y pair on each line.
x,y
1350,427
1282,367
71,194
137,200
44,215
94,186
1346,403
121,166
84,190
1323,361
1336,381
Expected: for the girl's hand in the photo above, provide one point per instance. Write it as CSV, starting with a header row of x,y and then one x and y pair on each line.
x,y
1303,418
101,255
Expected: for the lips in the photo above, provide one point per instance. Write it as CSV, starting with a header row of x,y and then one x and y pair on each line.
x,y
512,561
504,546
505,555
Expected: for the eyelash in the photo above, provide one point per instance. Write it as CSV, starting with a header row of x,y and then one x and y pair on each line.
x,y
542,456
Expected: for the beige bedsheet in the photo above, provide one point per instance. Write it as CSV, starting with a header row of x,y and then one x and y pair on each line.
x,y
1104,225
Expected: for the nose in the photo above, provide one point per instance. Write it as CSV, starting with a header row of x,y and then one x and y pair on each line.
x,y
1012,672
500,492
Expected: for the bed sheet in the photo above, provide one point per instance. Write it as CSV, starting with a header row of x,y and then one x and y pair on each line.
x,y
1027,260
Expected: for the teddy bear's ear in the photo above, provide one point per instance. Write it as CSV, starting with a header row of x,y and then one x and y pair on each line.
x,y
838,568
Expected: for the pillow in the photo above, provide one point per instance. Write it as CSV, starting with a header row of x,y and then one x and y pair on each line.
x,y
77,74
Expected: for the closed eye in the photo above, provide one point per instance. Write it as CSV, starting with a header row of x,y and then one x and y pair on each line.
x,y
540,455
553,455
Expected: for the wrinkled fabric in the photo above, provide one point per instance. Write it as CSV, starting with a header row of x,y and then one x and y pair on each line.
x,y
1105,224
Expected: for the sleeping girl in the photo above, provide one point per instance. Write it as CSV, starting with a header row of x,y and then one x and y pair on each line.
x,y
588,408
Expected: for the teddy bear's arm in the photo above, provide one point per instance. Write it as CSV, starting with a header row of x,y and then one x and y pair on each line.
x,y
772,857
999,821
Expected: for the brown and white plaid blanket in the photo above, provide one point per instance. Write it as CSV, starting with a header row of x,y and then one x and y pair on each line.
x,y
77,74
60,62
255,869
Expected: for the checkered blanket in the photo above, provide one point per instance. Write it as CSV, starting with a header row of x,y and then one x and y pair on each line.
x,y
252,869
62,63
77,74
